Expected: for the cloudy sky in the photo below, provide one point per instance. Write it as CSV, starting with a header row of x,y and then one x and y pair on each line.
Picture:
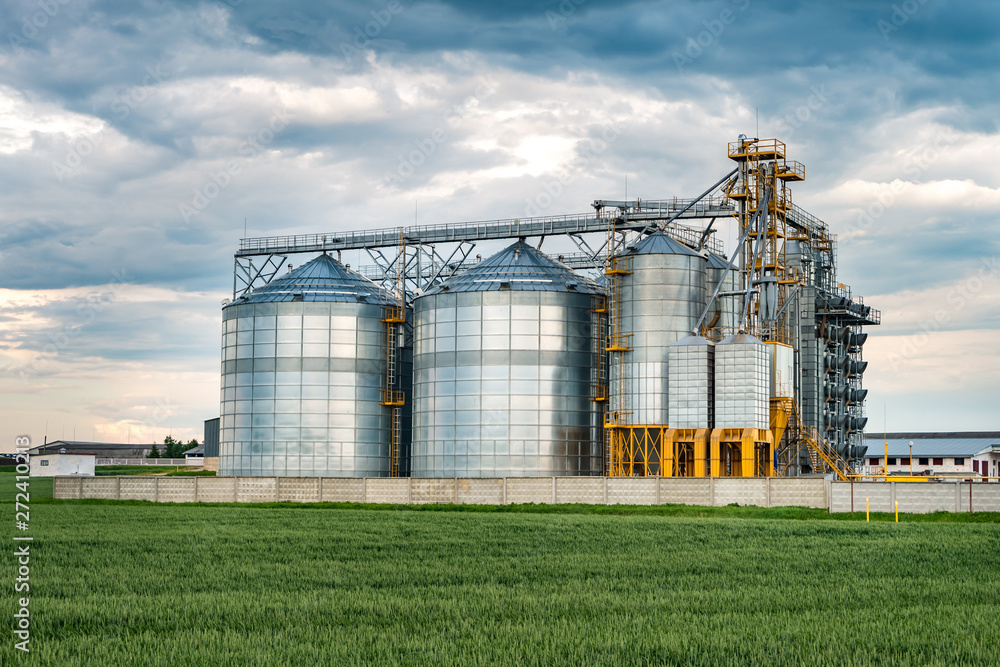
x,y
137,139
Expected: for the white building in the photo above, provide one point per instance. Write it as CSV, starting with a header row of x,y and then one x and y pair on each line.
x,y
975,453
61,465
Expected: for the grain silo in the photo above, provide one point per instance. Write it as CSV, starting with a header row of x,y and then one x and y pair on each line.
x,y
726,308
502,371
661,300
742,441
304,363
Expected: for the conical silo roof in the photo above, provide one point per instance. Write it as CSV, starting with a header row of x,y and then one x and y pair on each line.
x,y
717,262
693,340
518,267
320,279
742,339
659,243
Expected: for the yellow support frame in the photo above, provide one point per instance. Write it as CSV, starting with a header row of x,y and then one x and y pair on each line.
x,y
742,452
638,450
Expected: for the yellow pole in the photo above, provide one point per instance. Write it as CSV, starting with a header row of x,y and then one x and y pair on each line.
x,y
885,468
867,515
897,511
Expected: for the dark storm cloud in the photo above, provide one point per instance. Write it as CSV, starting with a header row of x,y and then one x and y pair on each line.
x,y
134,65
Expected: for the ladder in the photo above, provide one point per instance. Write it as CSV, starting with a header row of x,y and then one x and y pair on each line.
x,y
617,345
392,397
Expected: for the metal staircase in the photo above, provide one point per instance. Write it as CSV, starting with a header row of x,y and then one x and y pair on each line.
x,y
823,457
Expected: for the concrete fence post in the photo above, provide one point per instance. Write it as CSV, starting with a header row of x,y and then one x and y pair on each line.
x,y
409,490
364,489
553,489
958,498
118,488
196,489
711,491
658,482
504,490
892,495
454,498
320,490
767,491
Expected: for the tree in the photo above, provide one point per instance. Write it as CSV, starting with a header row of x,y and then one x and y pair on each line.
x,y
169,444
174,449
154,453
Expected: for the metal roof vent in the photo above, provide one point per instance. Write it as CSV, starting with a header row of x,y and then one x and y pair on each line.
x,y
504,284
297,296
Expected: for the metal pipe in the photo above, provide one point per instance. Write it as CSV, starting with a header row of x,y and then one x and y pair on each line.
x,y
761,235
788,300
694,201
738,249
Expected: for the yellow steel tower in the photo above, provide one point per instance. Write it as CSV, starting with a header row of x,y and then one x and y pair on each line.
x,y
760,187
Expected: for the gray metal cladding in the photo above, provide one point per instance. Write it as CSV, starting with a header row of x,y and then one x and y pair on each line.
x,y
661,302
501,381
742,383
301,381
692,383
725,310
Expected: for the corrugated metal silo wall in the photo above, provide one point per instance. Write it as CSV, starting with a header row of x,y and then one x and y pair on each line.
x,y
300,391
662,300
501,385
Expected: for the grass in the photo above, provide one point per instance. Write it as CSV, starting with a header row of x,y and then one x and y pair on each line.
x,y
136,583
39,488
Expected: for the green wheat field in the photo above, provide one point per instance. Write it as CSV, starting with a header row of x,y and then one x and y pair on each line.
x,y
137,583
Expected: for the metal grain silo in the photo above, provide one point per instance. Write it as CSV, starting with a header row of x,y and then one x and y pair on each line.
x,y
304,358
742,383
502,371
725,310
692,383
661,301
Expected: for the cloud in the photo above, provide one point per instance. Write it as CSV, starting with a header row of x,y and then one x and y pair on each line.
x,y
116,116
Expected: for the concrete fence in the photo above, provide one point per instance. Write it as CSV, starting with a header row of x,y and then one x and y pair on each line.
x,y
145,462
916,497
770,492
